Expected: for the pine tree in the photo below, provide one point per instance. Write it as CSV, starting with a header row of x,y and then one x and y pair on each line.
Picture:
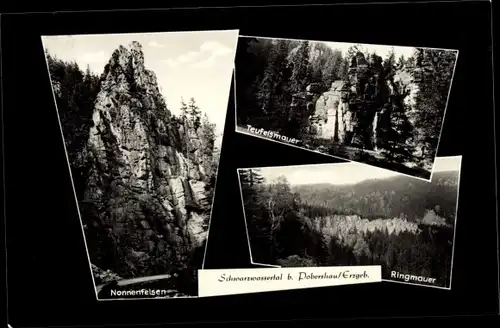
x,y
254,205
185,127
272,94
184,110
410,62
253,54
433,73
390,62
301,68
333,69
207,135
397,146
194,113
251,177
319,58
401,61
301,77
344,69
75,92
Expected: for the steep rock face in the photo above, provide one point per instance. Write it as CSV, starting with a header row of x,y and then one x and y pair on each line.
x,y
357,110
332,117
147,189
405,83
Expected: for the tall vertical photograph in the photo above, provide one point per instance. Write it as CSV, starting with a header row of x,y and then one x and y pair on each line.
x,y
142,118
352,214
379,105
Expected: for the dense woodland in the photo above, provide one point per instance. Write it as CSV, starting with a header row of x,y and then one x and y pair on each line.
x,y
280,221
75,93
395,197
280,80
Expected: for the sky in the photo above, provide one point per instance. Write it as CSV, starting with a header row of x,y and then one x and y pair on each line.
x,y
187,64
345,173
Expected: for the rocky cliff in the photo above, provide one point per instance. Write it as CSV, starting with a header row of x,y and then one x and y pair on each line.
x,y
148,191
332,117
350,230
357,110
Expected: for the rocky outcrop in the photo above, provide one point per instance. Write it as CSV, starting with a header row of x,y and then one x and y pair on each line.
x,y
357,110
432,219
342,226
405,84
332,118
147,197
349,231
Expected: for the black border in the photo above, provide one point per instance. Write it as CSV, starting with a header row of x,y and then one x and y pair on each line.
x,y
48,278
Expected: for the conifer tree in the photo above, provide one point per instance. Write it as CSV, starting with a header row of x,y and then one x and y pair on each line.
x,y
272,94
207,135
184,110
401,61
185,127
390,62
194,113
333,69
433,73
75,92
301,68
301,77
397,146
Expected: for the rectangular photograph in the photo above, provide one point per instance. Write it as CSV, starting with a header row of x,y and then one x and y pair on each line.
x,y
142,117
352,214
374,104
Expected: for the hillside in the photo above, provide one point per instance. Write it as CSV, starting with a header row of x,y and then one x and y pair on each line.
x,y
397,223
395,197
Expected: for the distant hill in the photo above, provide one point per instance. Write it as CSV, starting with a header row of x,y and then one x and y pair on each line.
x,y
399,196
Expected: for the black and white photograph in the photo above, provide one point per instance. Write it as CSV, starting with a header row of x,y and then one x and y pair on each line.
x,y
142,118
379,105
352,214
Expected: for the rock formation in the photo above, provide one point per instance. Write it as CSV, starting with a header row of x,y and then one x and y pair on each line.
x,y
342,225
350,230
431,218
148,194
332,118
357,110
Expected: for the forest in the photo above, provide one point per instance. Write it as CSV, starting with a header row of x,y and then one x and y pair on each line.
x,y
389,109
374,222
75,92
